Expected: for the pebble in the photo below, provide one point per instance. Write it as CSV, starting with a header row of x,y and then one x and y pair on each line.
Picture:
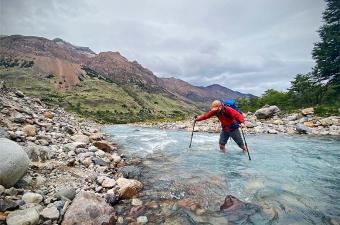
x,y
30,197
142,219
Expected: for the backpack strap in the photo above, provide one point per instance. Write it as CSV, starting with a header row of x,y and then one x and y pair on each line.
x,y
223,112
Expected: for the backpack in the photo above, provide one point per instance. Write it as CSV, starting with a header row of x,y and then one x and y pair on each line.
x,y
231,103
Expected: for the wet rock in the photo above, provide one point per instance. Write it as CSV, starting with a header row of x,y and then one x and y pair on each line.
x,y
307,111
189,204
30,197
103,145
29,130
66,192
7,204
130,172
88,209
23,217
267,112
14,162
136,211
129,187
50,213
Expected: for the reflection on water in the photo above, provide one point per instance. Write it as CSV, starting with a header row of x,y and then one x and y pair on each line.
x,y
292,179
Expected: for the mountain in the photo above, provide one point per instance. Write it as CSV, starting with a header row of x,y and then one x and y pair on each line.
x,y
200,95
104,86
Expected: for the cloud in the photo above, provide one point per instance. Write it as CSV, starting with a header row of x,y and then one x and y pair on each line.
x,y
248,46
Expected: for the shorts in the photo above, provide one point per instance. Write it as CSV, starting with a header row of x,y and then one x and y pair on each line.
x,y
235,135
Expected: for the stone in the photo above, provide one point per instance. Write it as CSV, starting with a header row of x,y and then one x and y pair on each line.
x,y
19,94
99,162
267,112
250,124
48,115
112,199
14,162
301,129
50,213
19,118
292,117
29,130
272,131
116,158
93,148
308,124
2,189
96,137
142,219
88,209
103,145
73,146
136,211
7,204
136,202
81,138
66,192
129,187
307,111
108,183
23,217
31,197
130,172
326,122
37,153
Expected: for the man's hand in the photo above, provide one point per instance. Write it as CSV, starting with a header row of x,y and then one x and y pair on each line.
x,y
195,117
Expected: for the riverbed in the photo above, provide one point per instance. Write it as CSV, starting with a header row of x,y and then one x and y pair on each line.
x,y
290,179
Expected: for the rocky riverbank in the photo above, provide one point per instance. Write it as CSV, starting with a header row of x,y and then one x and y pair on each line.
x,y
58,169
304,122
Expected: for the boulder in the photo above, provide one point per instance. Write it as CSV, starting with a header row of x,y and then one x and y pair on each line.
x,y
81,138
29,130
267,112
66,192
23,217
30,197
301,129
307,111
37,153
129,187
50,213
14,162
88,209
326,122
103,145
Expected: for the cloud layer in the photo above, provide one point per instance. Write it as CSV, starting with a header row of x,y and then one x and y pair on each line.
x,y
248,45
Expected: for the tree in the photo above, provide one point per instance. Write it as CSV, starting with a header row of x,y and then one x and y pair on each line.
x,y
326,53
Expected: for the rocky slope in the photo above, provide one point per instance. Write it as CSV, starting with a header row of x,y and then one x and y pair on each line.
x,y
57,162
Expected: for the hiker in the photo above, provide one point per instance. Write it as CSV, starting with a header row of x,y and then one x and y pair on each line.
x,y
230,120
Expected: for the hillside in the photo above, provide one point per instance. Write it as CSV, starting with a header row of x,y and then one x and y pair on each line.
x,y
105,86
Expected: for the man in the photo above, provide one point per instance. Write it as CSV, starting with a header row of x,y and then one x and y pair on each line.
x,y
230,120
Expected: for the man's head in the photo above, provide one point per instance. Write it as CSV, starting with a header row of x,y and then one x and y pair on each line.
x,y
215,105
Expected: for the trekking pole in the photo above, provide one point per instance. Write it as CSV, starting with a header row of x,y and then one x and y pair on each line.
x,y
245,142
192,133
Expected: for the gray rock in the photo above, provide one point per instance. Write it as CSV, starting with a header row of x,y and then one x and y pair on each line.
x,y
81,138
14,162
73,146
66,192
272,131
30,197
87,209
19,94
50,213
23,217
100,162
2,189
142,220
3,133
19,118
267,112
7,204
132,172
301,129
108,183
37,153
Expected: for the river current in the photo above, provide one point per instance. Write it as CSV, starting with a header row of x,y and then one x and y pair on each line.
x,y
290,179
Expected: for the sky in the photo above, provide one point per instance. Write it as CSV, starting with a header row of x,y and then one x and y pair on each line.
x,y
246,45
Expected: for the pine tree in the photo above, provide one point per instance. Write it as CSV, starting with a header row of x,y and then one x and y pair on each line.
x,y
327,52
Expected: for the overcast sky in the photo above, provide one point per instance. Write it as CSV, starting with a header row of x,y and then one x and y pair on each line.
x,y
246,45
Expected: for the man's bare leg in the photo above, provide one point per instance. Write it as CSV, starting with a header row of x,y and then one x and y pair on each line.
x,y
222,148
244,148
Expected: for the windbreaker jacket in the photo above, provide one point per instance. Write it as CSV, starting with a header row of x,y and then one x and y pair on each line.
x,y
229,118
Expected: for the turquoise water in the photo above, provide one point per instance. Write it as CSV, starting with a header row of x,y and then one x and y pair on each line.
x,y
293,179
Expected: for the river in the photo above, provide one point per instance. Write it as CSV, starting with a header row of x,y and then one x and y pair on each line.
x,y
290,179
